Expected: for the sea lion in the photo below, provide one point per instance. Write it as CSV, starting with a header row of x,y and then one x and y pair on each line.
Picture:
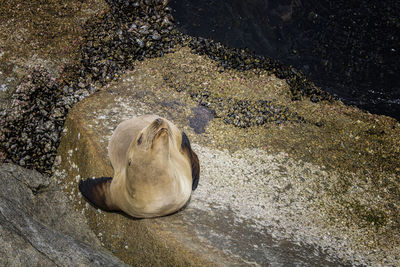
x,y
155,169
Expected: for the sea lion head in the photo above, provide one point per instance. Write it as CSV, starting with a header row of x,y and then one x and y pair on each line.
x,y
150,150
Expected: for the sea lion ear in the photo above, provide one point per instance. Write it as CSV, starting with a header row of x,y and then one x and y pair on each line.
x,y
194,160
97,192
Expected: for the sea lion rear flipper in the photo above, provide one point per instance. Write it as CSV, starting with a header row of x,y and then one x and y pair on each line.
x,y
97,191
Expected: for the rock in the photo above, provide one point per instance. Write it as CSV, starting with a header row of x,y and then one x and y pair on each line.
x,y
201,117
283,182
40,48
26,46
38,227
265,194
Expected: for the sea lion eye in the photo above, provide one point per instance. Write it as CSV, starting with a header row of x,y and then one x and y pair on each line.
x,y
139,141
129,162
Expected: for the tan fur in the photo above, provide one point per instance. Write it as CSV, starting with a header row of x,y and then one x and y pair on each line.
x,y
152,178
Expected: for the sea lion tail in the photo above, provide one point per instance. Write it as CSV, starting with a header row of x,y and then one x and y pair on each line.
x,y
97,191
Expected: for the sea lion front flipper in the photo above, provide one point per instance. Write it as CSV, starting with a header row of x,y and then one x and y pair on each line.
x,y
194,160
97,191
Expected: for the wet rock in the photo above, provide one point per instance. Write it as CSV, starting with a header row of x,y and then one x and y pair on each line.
x,y
131,31
156,36
202,116
22,120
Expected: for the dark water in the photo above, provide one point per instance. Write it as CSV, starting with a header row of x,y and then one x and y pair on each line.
x,y
349,48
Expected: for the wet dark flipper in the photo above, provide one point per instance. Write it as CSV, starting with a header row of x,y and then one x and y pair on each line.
x,y
194,160
97,191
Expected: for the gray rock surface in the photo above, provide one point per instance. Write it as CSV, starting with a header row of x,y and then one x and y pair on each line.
x,y
37,227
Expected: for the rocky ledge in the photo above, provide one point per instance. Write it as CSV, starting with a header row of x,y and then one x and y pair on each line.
x,y
289,175
38,227
317,191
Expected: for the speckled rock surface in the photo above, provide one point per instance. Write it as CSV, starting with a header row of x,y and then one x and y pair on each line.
x,y
37,33
39,53
318,191
38,226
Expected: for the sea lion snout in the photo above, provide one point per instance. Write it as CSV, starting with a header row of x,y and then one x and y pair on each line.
x,y
159,127
162,131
